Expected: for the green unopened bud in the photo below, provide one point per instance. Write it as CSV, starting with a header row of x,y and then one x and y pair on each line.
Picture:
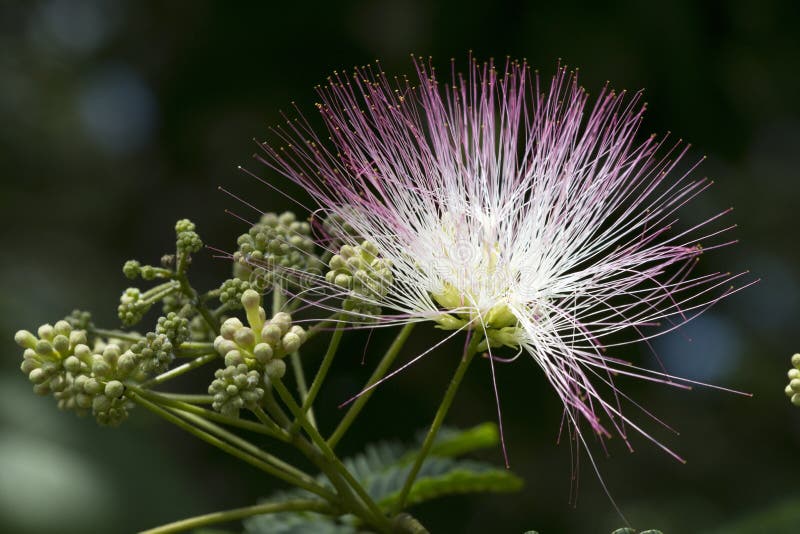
x,y
114,389
45,331
251,300
77,337
131,269
283,320
245,337
271,334
62,328
126,363
25,339
92,386
291,342
44,348
72,364
796,361
275,369
37,376
796,399
234,357
793,373
230,327
263,353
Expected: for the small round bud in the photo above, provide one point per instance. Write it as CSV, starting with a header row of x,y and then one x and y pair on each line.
x,y
77,337
230,327
263,353
291,342
83,352
796,361
788,390
793,373
126,362
92,386
796,399
245,337
283,320
275,369
250,299
114,389
25,339
233,357
37,376
795,384
44,348
72,364
271,334
62,328
131,269
45,332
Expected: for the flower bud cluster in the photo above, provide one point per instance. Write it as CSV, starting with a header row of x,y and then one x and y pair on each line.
x,y
278,245
336,227
231,291
175,327
133,304
153,354
253,354
793,387
187,240
132,269
59,362
364,274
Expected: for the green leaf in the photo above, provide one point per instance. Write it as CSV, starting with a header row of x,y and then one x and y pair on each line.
x,y
443,476
452,442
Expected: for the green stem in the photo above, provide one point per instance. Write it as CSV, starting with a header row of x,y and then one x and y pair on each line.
x,y
437,421
249,448
189,291
189,346
181,369
321,326
208,414
333,346
190,399
316,457
241,513
329,455
302,387
226,447
380,371
118,334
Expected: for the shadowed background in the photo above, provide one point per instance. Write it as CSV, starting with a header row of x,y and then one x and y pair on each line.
x,y
120,117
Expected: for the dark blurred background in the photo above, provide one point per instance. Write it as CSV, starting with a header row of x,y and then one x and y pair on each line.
x,y
120,117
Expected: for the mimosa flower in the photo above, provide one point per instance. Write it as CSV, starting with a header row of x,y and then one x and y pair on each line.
x,y
515,210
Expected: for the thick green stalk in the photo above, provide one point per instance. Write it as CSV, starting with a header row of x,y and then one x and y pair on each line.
x,y
441,413
188,398
118,334
304,505
333,346
247,446
226,447
302,387
252,426
380,371
181,369
329,455
316,457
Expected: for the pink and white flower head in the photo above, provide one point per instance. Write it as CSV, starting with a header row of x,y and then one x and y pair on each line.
x,y
516,210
